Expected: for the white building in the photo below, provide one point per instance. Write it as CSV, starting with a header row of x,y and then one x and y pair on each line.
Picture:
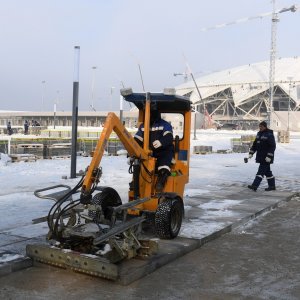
x,y
241,95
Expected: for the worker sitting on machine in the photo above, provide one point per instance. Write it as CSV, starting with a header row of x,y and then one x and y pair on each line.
x,y
161,143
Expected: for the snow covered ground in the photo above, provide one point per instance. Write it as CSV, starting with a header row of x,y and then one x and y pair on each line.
x,y
208,174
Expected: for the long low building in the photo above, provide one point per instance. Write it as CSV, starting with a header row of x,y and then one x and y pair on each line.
x,y
241,95
61,118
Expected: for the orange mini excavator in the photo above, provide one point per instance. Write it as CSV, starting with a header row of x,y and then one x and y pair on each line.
x,y
91,219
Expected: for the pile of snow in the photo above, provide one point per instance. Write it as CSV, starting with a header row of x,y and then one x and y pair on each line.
x,y
4,159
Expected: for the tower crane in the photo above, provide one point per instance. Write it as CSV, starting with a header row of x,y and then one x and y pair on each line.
x,y
185,75
275,20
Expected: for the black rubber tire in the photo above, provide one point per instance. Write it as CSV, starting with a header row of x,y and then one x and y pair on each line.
x,y
168,218
108,198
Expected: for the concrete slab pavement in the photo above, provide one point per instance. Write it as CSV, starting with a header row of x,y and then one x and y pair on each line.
x,y
208,216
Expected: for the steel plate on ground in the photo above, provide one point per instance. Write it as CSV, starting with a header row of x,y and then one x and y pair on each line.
x,y
68,259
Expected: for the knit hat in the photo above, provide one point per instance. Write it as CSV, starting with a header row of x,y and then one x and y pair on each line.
x,y
264,124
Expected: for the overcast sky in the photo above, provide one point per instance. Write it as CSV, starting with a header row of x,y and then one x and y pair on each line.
x,y
38,39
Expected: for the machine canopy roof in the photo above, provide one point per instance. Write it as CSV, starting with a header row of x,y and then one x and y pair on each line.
x,y
160,101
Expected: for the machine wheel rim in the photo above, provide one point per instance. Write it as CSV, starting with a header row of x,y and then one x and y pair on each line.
x,y
176,219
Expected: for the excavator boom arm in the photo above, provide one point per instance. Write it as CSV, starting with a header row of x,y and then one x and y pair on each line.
x,y
112,123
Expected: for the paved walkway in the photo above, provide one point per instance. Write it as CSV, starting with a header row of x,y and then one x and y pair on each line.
x,y
208,215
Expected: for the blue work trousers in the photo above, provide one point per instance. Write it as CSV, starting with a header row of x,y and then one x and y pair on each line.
x,y
264,170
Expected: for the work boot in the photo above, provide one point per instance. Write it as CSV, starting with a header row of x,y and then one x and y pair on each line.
x,y
162,179
252,187
271,181
257,180
270,188
271,184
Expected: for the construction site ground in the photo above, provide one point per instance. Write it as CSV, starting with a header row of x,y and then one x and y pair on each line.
x,y
249,251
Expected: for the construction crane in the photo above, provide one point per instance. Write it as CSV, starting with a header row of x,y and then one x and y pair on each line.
x,y
275,20
185,75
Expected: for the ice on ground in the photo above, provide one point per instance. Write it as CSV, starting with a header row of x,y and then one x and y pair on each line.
x,y
194,192
187,207
199,229
219,214
223,204
29,231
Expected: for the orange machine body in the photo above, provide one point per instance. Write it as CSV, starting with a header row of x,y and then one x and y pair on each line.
x,y
147,177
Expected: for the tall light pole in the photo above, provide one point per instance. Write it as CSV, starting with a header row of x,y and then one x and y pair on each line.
x,y
111,97
290,78
75,110
195,121
188,68
43,94
54,109
93,85
201,99
121,108
121,103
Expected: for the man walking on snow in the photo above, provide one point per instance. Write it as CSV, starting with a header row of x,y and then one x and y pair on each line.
x,y
264,145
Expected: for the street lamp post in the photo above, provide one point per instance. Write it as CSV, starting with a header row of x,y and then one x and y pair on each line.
x,y
195,121
121,108
43,94
111,97
54,109
121,103
93,85
75,110
289,107
54,115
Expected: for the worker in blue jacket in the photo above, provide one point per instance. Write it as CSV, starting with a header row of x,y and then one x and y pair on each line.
x,y
161,143
264,145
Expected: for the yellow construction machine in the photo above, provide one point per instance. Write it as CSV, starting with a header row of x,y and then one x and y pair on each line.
x,y
90,230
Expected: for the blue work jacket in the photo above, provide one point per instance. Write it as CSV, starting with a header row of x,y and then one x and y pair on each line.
x,y
264,145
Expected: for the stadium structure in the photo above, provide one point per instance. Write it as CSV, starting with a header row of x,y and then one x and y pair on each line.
x,y
241,95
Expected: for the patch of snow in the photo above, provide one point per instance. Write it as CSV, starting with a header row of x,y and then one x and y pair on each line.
x,y
4,159
106,249
6,257
218,214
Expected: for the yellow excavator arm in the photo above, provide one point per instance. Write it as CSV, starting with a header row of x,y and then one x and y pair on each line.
x,y
112,123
